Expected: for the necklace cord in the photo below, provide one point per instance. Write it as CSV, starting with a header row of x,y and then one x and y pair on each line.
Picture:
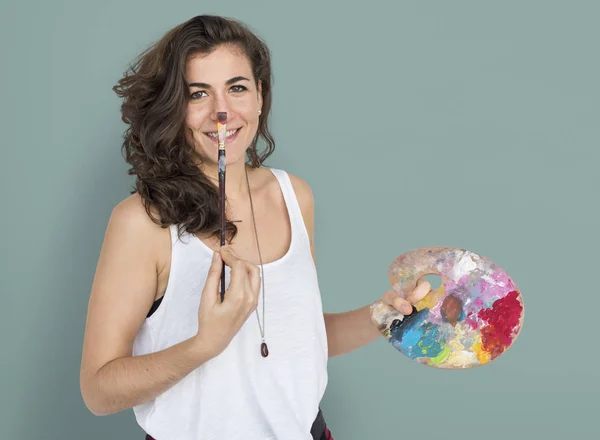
x,y
263,327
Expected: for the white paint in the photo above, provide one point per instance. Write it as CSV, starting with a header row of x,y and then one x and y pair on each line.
x,y
463,266
492,281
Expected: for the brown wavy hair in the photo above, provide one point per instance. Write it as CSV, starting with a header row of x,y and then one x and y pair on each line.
x,y
155,96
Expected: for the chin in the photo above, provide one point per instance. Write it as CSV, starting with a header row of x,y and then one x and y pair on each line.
x,y
232,155
234,158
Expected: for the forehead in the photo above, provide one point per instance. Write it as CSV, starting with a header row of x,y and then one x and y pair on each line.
x,y
218,66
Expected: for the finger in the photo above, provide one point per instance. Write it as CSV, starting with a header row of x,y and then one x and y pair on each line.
x,y
238,276
254,279
419,292
213,278
423,281
396,301
241,272
252,297
229,257
389,297
237,267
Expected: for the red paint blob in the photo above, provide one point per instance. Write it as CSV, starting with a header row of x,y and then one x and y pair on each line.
x,y
502,319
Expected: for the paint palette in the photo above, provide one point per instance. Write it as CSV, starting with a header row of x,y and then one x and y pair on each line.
x,y
471,319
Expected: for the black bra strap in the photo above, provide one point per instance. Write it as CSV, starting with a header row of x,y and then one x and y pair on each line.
x,y
155,305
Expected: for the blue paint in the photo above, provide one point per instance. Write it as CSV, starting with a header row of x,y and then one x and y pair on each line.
x,y
417,338
412,337
429,345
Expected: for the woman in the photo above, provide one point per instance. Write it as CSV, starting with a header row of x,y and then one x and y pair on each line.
x,y
158,338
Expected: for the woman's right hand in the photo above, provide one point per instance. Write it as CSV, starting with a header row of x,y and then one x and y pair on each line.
x,y
218,322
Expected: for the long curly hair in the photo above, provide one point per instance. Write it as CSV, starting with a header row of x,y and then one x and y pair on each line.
x,y
155,96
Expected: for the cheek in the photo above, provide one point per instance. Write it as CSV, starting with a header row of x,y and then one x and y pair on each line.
x,y
193,123
246,108
194,118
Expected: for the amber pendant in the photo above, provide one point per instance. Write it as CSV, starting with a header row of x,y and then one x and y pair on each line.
x,y
264,350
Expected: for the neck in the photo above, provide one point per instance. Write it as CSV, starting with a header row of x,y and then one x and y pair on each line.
x,y
235,179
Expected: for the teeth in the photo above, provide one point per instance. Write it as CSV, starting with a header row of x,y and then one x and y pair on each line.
x,y
215,135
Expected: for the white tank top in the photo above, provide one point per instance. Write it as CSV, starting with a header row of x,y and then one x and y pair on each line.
x,y
239,394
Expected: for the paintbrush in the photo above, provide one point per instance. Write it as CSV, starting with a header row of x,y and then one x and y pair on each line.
x,y
222,134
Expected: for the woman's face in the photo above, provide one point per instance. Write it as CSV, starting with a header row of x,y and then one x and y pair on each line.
x,y
222,81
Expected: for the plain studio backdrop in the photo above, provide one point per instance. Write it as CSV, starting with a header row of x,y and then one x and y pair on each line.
x,y
466,123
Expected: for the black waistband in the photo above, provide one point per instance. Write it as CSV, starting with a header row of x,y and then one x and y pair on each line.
x,y
318,426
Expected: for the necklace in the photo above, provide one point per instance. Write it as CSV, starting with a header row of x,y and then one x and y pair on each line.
x,y
264,350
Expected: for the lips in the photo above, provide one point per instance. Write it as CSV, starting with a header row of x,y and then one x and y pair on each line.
x,y
231,135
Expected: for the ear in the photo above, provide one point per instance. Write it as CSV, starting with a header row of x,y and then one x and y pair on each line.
x,y
260,97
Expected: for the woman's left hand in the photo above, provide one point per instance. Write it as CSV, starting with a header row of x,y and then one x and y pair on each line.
x,y
404,305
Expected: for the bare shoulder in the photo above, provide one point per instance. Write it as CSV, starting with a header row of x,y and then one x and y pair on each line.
x,y
303,192
130,221
301,188
131,213
306,201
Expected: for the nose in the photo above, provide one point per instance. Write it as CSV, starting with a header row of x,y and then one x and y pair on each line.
x,y
220,104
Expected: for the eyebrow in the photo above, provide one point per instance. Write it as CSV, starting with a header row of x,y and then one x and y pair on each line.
x,y
229,82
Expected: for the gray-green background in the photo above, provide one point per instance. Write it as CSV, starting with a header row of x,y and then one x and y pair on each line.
x,y
463,123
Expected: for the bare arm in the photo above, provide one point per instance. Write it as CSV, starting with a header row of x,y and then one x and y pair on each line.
x,y
131,380
349,330
123,290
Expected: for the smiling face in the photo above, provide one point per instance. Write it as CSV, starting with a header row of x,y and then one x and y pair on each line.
x,y
222,81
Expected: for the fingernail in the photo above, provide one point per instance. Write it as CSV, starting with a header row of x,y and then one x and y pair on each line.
x,y
407,310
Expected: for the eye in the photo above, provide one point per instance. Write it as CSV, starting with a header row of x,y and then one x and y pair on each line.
x,y
238,88
196,95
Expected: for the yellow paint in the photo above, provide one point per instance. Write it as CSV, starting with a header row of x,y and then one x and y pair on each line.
x,y
460,359
431,299
455,344
482,355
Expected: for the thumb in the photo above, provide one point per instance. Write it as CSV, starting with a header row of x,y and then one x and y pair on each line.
x,y
213,279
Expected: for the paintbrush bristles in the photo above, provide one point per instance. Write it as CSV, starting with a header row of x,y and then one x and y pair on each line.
x,y
222,128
